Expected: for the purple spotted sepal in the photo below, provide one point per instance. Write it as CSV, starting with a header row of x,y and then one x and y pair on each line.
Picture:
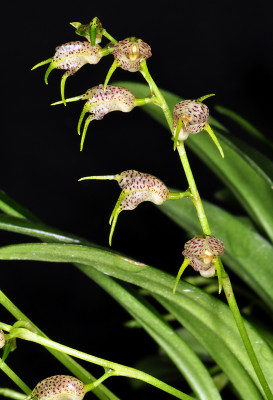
x,y
202,252
137,187
71,57
129,54
191,117
59,387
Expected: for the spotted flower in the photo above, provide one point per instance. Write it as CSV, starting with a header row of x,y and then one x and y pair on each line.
x,y
59,387
137,187
129,53
71,57
201,252
191,117
100,102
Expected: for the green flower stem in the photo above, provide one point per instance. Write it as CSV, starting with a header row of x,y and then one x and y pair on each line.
x,y
179,195
193,188
145,100
155,90
76,369
244,335
108,36
15,378
12,394
223,278
120,370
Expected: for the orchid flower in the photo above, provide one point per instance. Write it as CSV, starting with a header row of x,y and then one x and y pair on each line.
x,y
100,102
128,53
71,57
137,187
201,252
191,117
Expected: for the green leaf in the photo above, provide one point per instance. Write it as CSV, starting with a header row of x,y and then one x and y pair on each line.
x,y
248,182
210,313
248,254
38,230
246,125
11,207
180,353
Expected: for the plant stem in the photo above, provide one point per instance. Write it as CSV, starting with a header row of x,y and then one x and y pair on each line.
x,y
120,370
12,394
223,277
193,188
244,335
15,378
155,90
101,392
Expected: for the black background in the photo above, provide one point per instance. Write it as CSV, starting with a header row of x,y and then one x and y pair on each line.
x,y
198,47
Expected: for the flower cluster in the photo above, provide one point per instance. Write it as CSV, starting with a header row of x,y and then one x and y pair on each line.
x,y
188,117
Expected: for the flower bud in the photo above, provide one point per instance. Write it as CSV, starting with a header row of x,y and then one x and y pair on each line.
x,y
91,31
137,187
71,57
59,387
2,339
201,251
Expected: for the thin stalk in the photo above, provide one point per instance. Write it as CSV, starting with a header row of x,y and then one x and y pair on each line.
x,y
120,370
14,377
155,90
244,335
12,394
193,188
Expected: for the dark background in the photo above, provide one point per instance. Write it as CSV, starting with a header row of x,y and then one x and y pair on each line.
x,y
198,47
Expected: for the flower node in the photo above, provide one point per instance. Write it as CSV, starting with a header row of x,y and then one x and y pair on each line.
x,y
130,52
